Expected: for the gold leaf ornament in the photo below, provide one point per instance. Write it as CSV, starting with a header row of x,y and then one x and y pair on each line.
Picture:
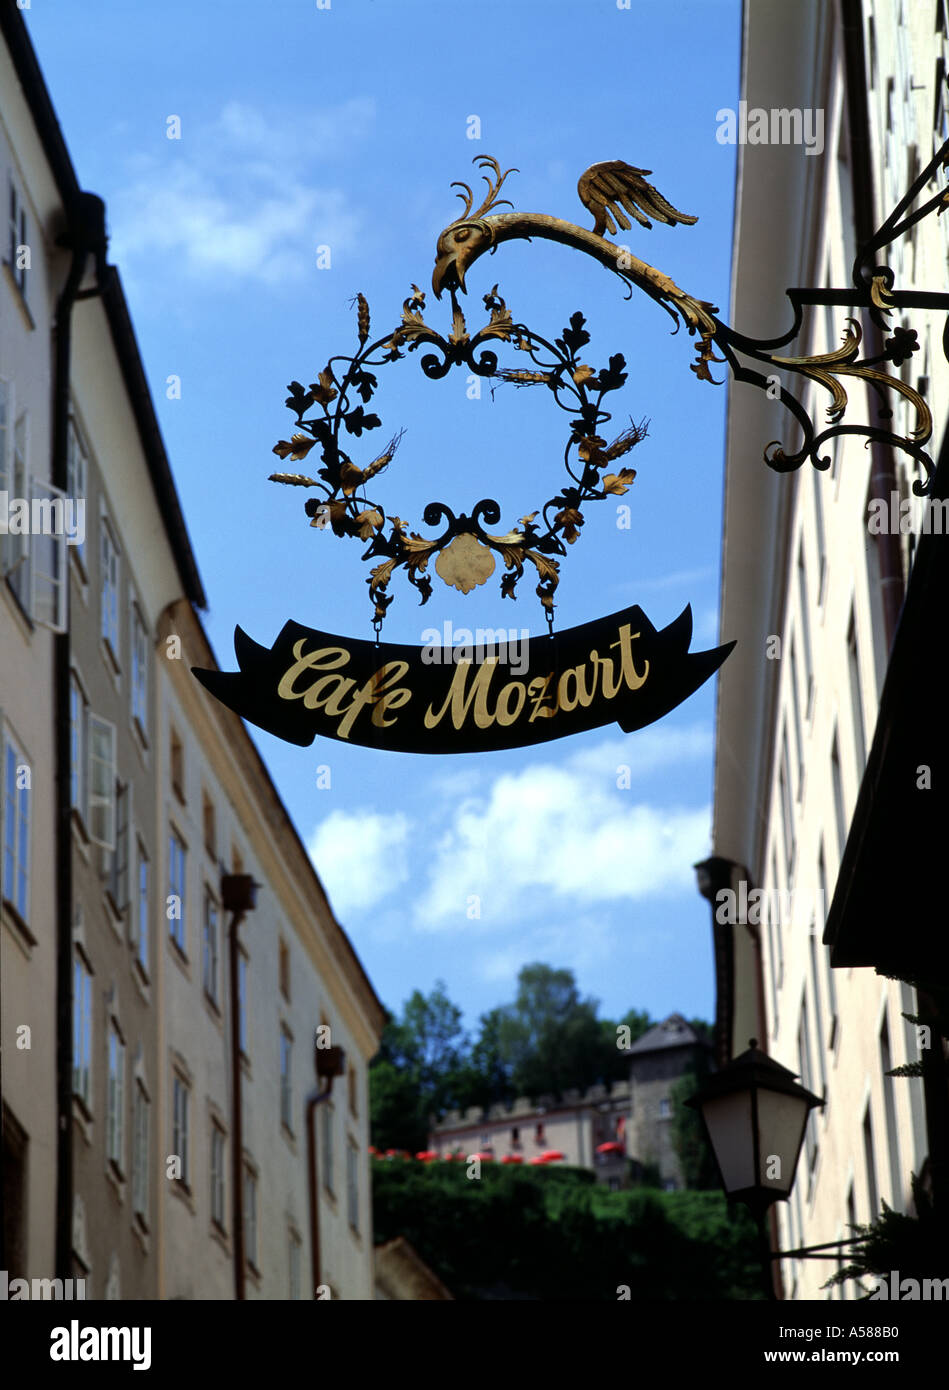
x,y
465,563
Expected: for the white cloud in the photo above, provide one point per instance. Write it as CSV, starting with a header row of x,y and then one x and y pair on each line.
x,y
239,199
360,857
561,832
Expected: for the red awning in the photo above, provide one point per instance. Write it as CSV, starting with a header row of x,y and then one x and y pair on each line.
x,y
512,1158
426,1155
610,1147
551,1156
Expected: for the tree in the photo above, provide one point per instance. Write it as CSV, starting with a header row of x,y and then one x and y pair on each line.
x,y
688,1134
549,1037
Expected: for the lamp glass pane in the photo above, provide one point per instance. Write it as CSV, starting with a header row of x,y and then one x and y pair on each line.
x,y
781,1121
729,1125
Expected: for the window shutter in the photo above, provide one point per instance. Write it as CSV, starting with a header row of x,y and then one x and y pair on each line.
x,y
49,596
101,782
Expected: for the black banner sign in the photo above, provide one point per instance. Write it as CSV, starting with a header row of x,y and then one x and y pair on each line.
x,y
445,699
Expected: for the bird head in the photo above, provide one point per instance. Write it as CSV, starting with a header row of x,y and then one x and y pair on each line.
x,y
459,245
470,235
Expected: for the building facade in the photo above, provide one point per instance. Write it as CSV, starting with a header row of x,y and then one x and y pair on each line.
x,y
812,591
657,1060
128,798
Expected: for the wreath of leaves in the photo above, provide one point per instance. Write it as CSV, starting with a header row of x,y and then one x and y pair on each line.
x,y
345,388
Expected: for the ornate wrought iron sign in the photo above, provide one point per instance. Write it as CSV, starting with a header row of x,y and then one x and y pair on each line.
x,y
389,696
618,668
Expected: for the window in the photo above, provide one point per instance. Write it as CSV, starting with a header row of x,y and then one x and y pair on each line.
x,y
177,864
82,1031
217,1175
807,1079
119,859
805,627
819,526
352,1185
665,1108
101,782
77,747
889,1109
870,1160
798,728
140,910
16,545
856,696
286,1081
250,1216
18,249
353,1083
284,950
242,984
210,947
327,1158
294,1253
787,815
77,482
839,813
140,1153
831,982
109,591
177,766
180,1102
16,830
115,1111
138,646
539,1134
210,829
515,1137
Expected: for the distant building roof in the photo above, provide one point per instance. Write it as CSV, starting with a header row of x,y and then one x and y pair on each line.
x,y
671,1032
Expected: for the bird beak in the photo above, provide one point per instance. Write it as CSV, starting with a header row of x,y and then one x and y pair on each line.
x,y
449,273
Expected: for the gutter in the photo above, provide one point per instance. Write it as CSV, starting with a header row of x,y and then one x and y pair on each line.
x,y
85,237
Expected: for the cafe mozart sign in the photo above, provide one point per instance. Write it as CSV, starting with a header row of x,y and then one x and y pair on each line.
x,y
444,700
615,670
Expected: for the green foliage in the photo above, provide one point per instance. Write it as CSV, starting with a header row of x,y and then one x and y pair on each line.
x,y
688,1135
915,1246
552,1234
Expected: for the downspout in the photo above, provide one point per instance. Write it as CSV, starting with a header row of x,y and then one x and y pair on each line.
x,y
329,1062
85,236
238,896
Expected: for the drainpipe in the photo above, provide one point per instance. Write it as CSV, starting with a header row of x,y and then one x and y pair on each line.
x,y
85,236
238,896
329,1062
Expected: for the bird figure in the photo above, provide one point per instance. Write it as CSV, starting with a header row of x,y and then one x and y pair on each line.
x,y
610,190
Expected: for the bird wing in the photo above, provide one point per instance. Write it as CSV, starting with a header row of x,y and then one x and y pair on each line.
x,y
606,189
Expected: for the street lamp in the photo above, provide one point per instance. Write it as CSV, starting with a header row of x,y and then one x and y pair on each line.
x,y
755,1114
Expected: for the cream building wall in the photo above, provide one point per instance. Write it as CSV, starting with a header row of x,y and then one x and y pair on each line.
x,y
28,941
326,987
800,565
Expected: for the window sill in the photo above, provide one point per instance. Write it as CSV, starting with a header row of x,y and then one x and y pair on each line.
x,y
82,1118
140,1232
220,1237
141,981
10,277
22,931
184,1194
289,1137
180,957
116,1180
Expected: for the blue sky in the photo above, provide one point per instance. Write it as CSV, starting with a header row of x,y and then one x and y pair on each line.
x,y
343,127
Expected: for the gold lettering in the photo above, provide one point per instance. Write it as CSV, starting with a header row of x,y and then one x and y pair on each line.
x,y
372,693
537,690
323,659
503,713
631,676
337,685
462,700
581,695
